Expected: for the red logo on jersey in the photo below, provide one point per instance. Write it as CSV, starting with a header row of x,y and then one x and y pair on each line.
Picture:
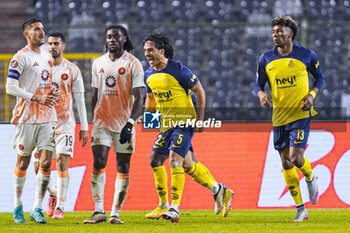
x,y
35,64
64,76
36,155
121,70
21,147
101,71
45,75
14,64
50,63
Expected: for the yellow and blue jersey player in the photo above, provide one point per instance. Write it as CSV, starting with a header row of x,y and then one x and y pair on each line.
x,y
285,68
169,85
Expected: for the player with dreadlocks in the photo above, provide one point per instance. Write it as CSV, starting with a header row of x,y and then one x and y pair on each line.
x,y
118,92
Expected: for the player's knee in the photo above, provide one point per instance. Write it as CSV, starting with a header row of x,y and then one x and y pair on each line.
x,y
156,162
297,161
99,163
123,168
45,165
22,165
175,163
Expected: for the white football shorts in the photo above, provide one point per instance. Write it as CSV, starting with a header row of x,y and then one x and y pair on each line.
x,y
101,136
29,136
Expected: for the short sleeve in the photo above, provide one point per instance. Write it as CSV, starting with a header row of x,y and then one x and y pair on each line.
x,y
94,76
187,78
16,67
137,74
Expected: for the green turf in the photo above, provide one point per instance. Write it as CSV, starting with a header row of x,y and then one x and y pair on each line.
x,y
320,220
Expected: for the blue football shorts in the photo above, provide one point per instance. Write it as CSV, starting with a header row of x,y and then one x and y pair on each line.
x,y
294,134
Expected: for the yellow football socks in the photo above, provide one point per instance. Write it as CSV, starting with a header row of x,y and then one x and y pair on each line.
x,y
306,169
160,180
292,181
177,184
201,174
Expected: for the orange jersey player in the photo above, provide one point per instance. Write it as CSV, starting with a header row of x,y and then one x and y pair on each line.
x,y
30,80
117,81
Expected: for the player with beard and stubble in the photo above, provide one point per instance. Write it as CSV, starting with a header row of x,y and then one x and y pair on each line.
x,y
30,80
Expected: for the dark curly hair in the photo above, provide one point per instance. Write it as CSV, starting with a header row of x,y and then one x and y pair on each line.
x,y
161,42
286,21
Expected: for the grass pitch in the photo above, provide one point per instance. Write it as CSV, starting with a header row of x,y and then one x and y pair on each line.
x,y
320,220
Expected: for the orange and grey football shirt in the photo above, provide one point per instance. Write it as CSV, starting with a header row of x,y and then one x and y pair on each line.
x,y
114,81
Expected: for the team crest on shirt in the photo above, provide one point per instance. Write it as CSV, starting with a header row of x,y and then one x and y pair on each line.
x,y
166,79
64,76
291,64
45,75
14,64
20,146
50,63
121,70
110,81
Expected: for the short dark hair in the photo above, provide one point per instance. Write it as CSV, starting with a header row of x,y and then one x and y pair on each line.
x,y
29,22
286,21
128,45
161,42
58,34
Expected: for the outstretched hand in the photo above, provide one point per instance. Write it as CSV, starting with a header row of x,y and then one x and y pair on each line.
x,y
48,100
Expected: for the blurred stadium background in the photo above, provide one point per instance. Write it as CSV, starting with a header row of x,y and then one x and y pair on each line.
x,y
220,40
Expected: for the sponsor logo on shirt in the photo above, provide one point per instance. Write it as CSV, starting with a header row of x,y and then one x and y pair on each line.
x,y
286,82
110,81
35,64
163,95
45,75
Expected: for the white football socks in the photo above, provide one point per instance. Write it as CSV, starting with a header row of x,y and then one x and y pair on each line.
x,y
97,188
121,189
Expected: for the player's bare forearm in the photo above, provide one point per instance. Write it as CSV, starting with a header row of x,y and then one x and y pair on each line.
x,y
150,103
138,93
200,96
94,100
